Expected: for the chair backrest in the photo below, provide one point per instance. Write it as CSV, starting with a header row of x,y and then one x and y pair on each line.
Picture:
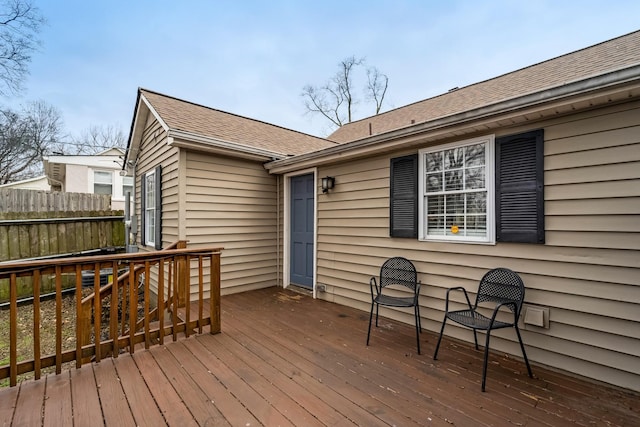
x,y
398,271
501,285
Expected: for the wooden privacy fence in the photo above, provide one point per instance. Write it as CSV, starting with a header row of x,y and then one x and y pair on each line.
x,y
120,315
42,237
39,234
20,200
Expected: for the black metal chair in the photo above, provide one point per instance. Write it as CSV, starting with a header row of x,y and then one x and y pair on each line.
x,y
501,287
396,271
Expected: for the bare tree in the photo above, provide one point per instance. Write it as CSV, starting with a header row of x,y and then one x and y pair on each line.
x,y
377,84
20,22
336,100
25,137
97,138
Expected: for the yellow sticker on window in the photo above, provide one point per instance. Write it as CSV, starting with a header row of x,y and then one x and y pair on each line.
x,y
454,229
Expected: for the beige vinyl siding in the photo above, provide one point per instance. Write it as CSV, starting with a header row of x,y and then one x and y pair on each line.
x,y
587,273
154,151
232,203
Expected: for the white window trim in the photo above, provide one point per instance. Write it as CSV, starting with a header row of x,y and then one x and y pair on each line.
x,y
149,238
489,141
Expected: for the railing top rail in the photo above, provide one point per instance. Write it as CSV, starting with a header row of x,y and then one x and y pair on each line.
x,y
8,267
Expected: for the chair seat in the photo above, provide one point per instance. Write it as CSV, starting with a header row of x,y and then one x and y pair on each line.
x,y
394,301
475,320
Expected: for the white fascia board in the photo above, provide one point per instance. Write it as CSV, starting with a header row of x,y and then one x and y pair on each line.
x,y
139,121
105,162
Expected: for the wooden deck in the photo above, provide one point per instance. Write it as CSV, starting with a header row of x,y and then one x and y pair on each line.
x,y
285,359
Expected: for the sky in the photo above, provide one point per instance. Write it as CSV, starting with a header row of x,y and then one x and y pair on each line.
x,y
253,58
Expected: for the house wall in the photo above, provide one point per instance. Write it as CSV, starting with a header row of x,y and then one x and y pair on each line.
x,y
80,179
154,151
587,273
77,179
39,184
232,203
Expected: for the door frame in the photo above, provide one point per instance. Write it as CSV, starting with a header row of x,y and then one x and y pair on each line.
x,y
286,253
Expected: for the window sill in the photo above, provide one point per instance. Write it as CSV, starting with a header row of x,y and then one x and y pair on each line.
x,y
457,241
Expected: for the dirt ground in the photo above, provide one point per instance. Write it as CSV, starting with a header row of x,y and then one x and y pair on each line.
x,y
47,332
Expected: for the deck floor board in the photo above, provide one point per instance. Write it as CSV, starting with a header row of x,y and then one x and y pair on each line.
x,y
57,401
285,359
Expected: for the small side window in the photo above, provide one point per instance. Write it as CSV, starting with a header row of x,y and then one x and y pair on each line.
x,y
151,208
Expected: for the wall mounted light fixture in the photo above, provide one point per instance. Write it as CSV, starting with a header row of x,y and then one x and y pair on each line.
x,y
328,182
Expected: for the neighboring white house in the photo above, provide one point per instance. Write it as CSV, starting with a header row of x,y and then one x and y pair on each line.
x,y
40,183
98,174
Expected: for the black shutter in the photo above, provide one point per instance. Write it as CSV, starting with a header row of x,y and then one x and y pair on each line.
x,y
158,237
520,188
403,199
143,206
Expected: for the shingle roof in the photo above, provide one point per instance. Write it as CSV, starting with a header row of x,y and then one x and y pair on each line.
x,y
211,123
608,56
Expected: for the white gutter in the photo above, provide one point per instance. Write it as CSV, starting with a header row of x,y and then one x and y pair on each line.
x,y
575,88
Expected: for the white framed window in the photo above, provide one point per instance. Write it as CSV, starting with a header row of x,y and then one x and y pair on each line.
x,y
127,185
150,208
457,191
102,182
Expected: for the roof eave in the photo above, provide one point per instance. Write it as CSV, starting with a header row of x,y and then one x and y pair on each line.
x,y
445,126
141,110
193,141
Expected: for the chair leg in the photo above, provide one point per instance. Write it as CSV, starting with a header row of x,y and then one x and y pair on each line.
x,y
486,358
417,319
377,310
475,338
370,318
435,353
526,361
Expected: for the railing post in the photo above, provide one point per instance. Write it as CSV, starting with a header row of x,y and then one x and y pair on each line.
x,y
214,294
58,272
13,330
183,272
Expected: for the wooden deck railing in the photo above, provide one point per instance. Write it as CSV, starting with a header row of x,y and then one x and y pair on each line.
x,y
118,317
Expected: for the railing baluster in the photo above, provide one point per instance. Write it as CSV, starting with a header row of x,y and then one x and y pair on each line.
x,y
147,272
186,280
200,293
214,294
161,300
133,305
13,330
58,270
175,298
79,316
113,316
97,311
123,310
36,324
